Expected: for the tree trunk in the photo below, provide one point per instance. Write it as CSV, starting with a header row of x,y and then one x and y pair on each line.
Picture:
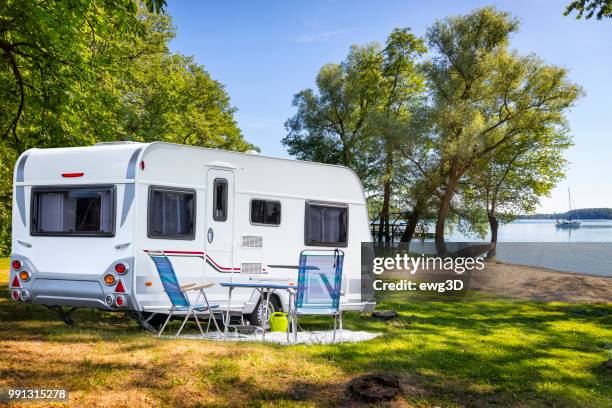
x,y
413,220
444,209
346,155
383,228
494,225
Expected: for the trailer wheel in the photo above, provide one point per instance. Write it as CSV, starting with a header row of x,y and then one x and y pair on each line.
x,y
256,317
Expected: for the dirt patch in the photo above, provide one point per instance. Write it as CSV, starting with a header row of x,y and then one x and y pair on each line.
x,y
534,283
374,387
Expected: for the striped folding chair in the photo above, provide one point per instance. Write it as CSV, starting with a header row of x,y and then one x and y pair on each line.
x,y
181,305
319,285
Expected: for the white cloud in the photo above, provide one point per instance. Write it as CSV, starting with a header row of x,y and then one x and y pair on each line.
x,y
319,37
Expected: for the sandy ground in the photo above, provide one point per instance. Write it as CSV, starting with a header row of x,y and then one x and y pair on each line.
x,y
541,284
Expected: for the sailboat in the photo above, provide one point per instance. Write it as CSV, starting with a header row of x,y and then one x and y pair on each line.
x,y
569,223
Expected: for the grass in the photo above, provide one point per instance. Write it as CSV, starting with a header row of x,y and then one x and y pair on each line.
x,y
486,352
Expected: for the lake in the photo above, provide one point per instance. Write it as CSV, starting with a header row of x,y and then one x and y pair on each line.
x,y
586,250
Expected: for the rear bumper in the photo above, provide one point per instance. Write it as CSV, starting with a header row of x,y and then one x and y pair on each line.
x,y
64,292
71,289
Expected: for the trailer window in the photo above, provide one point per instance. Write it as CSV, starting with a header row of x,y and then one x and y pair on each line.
x,y
265,212
326,224
220,199
171,213
73,211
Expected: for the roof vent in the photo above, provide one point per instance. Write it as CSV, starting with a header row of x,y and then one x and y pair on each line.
x,y
118,142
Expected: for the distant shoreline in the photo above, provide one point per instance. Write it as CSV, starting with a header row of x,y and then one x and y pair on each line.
x,y
581,213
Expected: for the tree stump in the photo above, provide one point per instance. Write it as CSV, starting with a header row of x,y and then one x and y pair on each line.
x,y
374,387
384,314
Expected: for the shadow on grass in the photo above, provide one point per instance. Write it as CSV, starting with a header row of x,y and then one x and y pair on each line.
x,y
486,353
480,353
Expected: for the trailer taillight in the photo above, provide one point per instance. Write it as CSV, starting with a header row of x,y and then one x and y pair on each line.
x,y
15,295
24,275
16,283
120,301
72,175
120,268
16,264
120,288
109,279
142,165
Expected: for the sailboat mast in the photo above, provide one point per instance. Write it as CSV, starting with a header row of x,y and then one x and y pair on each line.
x,y
569,199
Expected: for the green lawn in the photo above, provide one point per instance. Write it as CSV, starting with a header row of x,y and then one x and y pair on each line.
x,y
486,352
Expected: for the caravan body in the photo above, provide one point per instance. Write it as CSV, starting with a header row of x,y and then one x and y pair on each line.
x,y
84,219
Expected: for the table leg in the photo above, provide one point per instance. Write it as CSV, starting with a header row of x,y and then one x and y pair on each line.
x,y
289,314
266,298
227,314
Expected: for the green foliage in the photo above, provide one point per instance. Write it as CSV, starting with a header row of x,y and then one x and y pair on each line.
x,y
329,125
361,114
7,158
590,8
486,96
415,132
77,72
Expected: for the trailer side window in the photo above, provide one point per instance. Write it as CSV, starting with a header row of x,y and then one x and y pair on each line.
x,y
265,212
326,224
220,199
171,213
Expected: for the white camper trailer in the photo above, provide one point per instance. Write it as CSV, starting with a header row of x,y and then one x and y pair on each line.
x,y
84,219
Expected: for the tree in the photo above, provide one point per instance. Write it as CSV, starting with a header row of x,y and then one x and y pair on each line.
x,y
74,72
399,89
358,115
484,95
590,8
510,181
329,125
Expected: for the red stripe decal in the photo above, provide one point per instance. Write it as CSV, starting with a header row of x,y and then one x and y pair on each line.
x,y
196,253
179,252
221,267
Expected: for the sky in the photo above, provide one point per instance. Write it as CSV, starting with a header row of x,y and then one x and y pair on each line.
x,y
266,52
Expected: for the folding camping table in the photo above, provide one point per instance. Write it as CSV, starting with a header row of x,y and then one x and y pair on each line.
x,y
264,290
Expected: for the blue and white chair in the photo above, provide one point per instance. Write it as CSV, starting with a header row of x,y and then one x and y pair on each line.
x,y
319,286
181,305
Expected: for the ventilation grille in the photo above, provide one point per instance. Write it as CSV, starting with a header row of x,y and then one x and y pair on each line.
x,y
250,268
252,241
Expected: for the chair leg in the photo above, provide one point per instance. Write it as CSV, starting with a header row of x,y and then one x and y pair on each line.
x,y
335,323
165,323
340,317
184,321
210,314
195,316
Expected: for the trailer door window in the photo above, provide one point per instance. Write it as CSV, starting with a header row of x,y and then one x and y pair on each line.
x,y
171,213
326,224
77,211
265,212
220,199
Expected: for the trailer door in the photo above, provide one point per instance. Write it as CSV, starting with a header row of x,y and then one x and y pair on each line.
x,y
219,230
